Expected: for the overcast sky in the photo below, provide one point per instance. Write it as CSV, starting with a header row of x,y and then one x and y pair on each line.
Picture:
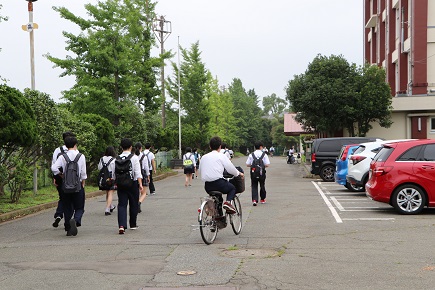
x,y
263,43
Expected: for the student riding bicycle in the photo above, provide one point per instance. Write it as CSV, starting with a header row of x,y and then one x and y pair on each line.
x,y
212,169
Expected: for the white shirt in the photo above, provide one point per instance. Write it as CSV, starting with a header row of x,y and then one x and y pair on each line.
x,y
258,154
137,173
61,163
111,165
226,152
150,156
145,163
56,153
213,165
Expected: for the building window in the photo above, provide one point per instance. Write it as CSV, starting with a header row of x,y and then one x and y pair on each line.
x,y
432,125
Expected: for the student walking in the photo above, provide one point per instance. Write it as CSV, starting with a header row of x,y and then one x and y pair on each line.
x,y
57,179
197,160
258,161
143,161
189,165
129,183
72,167
152,165
108,184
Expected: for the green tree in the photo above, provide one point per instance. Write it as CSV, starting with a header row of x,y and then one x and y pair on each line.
x,y
322,97
112,63
374,99
17,130
273,105
194,79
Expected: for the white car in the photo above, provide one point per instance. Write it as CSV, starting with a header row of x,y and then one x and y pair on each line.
x,y
359,162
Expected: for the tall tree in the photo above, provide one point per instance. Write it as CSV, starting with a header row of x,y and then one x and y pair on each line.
x,y
194,96
112,63
273,105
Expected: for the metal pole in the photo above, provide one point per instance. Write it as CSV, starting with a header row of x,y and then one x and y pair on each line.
x,y
179,103
162,77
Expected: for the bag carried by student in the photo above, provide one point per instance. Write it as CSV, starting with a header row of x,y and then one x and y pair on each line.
x,y
124,171
105,180
258,169
143,171
187,162
71,177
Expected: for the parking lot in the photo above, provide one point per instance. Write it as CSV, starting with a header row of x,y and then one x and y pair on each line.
x,y
347,206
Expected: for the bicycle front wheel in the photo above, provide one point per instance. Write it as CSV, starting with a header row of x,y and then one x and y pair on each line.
x,y
236,219
207,224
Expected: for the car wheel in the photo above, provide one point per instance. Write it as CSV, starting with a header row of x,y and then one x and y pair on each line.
x,y
355,188
409,199
327,173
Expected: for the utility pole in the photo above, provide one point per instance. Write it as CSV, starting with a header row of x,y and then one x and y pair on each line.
x,y
29,27
162,29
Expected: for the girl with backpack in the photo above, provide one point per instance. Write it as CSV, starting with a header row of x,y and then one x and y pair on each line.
x,y
107,183
189,165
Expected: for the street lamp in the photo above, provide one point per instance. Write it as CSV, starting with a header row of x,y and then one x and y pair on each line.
x,y
29,28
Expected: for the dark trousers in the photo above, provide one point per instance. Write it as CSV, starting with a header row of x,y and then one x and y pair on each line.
x,y
59,209
126,196
254,188
151,184
223,186
73,204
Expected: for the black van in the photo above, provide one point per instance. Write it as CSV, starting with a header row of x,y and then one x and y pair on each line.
x,y
325,151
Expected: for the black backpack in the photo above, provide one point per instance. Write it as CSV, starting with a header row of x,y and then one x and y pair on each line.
x,y
124,171
143,171
71,176
187,162
258,169
105,180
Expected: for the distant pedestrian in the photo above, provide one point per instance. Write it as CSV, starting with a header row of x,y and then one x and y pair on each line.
x,y
258,161
152,166
225,151
272,150
129,183
73,202
143,161
109,160
197,161
189,165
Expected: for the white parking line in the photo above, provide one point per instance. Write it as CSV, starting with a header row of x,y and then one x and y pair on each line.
x,y
369,219
328,203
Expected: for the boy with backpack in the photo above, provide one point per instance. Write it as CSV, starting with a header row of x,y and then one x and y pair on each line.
x,y
71,166
128,178
258,161
105,179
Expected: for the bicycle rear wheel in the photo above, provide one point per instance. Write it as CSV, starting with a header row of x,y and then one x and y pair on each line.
x,y
207,224
236,219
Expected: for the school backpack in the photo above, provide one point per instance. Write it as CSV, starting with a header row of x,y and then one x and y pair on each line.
x,y
105,180
71,176
187,162
257,167
124,171
143,171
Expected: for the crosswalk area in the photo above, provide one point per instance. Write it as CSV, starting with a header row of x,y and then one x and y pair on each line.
x,y
352,206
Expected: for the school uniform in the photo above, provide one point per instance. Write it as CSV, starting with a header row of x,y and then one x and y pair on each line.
x,y
261,181
145,168
150,155
129,196
58,179
189,156
73,203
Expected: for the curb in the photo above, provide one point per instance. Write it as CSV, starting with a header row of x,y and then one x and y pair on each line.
x,y
37,208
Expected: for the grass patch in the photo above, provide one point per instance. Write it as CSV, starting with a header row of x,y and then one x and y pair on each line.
x,y
28,199
233,248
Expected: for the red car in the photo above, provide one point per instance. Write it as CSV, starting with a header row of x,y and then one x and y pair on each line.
x,y
403,175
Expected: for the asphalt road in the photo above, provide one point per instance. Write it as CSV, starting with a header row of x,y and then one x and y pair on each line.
x,y
309,235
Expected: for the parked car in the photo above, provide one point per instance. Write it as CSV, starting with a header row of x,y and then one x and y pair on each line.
x,y
402,174
341,166
359,162
324,153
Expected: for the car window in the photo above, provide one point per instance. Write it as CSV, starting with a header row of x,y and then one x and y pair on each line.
x,y
329,146
359,149
383,154
410,154
376,150
428,153
341,152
